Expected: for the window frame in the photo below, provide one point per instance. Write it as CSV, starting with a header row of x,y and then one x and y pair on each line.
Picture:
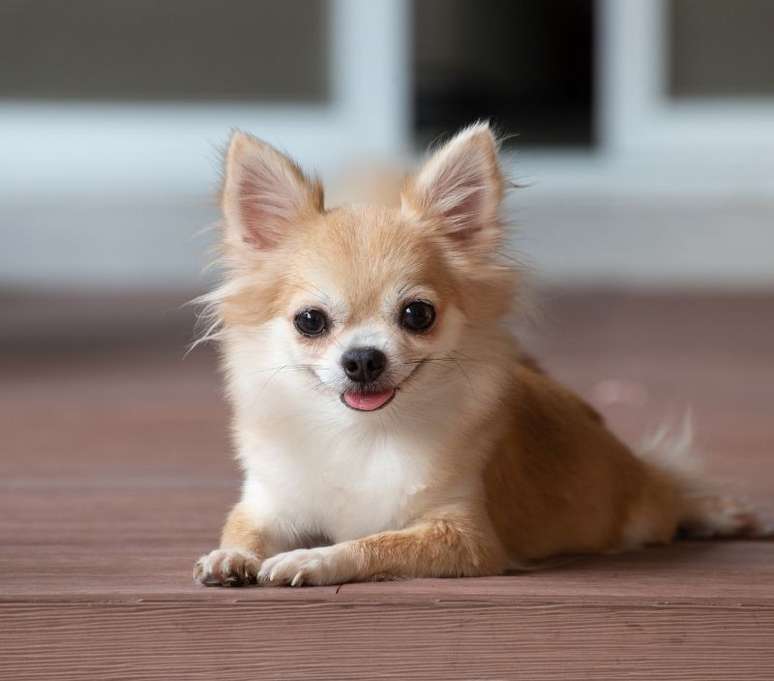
x,y
635,112
57,147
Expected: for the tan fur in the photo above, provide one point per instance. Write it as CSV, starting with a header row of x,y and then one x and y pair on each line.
x,y
518,467
561,482
241,532
454,545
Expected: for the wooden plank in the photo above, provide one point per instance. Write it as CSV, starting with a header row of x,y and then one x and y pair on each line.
x,y
446,640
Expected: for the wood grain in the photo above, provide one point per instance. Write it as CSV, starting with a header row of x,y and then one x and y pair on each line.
x,y
443,640
115,474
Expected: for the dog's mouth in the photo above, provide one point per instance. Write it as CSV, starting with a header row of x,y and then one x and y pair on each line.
x,y
373,400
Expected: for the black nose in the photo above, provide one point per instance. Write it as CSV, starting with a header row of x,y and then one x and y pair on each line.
x,y
363,365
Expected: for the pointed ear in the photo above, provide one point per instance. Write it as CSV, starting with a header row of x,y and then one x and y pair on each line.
x,y
461,188
264,193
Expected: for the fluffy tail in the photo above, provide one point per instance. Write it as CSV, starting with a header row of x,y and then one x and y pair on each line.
x,y
705,510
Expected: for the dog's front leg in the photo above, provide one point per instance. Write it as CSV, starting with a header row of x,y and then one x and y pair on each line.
x,y
244,544
441,546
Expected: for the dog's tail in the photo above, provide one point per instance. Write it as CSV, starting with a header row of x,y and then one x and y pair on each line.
x,y
706,509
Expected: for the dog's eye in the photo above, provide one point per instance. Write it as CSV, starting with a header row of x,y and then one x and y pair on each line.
x,y
417,316
311,322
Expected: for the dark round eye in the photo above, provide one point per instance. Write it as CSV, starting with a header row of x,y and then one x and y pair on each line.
x,y
417,316
311,322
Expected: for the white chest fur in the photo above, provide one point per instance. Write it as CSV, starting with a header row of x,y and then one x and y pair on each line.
x,y
341,485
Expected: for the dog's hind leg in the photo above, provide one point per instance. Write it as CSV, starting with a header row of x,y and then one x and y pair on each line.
x,y
709,514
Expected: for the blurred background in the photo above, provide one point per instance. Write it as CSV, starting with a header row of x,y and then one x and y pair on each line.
x,y
642,132
643,129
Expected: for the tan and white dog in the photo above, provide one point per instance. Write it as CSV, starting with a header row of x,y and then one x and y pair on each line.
x,y
388,422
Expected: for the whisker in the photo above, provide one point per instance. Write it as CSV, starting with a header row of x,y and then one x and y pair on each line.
x,y
465,374
291,367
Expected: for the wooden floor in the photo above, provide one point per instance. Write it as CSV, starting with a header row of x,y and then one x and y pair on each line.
x,y
115,474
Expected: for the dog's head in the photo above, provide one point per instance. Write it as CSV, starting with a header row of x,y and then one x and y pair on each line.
x,y
359,305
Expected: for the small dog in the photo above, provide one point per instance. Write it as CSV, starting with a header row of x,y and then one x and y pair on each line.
x,y
388,422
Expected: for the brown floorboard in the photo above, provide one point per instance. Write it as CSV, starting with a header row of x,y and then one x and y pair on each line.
x,y
115,473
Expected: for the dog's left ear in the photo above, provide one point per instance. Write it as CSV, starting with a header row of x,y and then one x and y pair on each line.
x,y
265,194
459,189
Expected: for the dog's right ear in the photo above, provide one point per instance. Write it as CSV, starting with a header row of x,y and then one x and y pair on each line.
x,y
460,188
264,193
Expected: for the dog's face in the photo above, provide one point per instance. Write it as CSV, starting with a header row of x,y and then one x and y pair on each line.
x,y
364,305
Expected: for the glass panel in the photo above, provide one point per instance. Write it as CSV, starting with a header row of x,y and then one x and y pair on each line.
x,y
721,48
526,64
170,50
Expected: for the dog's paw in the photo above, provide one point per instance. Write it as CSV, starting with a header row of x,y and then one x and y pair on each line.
x,y
722,516
227,567
318,566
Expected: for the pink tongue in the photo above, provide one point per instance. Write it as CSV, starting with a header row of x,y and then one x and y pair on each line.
x,y
367,401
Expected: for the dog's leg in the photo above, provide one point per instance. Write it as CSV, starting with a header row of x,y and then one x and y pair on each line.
x,y
717,515
243,545
446,546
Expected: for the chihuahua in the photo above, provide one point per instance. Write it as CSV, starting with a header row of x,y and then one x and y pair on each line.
x,y
388,422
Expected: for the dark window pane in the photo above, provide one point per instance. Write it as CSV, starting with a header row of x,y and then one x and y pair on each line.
x,y
721,48
164,50
526,64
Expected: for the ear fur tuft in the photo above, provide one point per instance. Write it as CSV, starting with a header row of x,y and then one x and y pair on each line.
x,y
461,187
264,193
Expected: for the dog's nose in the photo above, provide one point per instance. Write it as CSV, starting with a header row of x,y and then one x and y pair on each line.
x,y
363,365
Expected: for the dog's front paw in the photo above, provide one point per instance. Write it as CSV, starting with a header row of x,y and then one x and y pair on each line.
x,y
227,567
318,566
